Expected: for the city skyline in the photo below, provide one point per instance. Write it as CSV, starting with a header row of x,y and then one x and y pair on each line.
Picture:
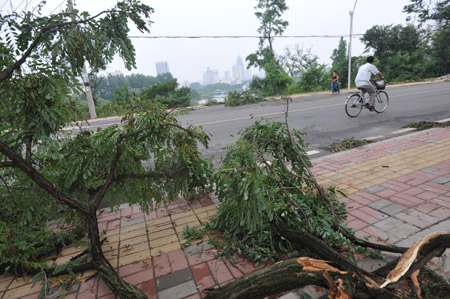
x,y
203,19
239,74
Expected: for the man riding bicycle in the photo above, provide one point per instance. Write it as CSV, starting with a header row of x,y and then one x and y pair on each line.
x,y
362,80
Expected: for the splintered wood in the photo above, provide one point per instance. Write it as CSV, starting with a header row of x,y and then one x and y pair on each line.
x,y
408,259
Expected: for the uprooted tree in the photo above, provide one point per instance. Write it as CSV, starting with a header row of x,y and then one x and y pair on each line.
x,y
48,173
272,207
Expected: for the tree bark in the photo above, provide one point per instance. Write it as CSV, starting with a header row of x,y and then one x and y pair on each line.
x,y
289,275
295,273
110,277
306,240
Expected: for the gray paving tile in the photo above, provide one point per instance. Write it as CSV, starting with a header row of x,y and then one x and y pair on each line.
x,y
443,226
374,189
430,169
389,223
448,184
380,204
431,140
197,248
384,235
215,200
441,180
404,231
393,209
132,222
173,279
349,164
179,291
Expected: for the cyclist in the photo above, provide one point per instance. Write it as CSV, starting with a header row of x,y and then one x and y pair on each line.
x,y
362,80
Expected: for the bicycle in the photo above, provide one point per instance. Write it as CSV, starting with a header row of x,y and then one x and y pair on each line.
x,y
357,101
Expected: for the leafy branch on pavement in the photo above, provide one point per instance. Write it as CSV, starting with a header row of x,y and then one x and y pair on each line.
x,y
425,125
348,144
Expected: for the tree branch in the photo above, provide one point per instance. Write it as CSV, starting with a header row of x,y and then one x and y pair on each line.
x,y
40,180
7,164
36,40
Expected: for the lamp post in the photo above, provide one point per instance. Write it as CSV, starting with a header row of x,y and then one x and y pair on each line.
x,y
350,45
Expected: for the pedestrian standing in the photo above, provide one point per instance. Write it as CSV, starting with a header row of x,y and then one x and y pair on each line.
x,y
335,83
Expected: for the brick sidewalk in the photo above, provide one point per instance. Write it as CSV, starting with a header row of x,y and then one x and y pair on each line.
x,y
398,191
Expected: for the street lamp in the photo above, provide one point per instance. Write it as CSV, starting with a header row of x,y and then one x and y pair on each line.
x,y
350,46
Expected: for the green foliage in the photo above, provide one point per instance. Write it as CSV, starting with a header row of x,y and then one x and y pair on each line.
x,y
104,86
46,173
339,60
235,98
440,51
388,40
276,81
257,191
168,94
349,143
425,125
122,95
191,234
435,10
297,60
212,103
405,53
269,14
314,79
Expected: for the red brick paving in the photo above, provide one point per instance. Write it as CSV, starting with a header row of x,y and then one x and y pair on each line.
x,y
428,203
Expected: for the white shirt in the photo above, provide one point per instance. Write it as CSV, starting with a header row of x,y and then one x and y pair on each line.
x,y
364,73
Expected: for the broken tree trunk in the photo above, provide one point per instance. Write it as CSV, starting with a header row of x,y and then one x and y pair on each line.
x,y
352,283
110,277
296,273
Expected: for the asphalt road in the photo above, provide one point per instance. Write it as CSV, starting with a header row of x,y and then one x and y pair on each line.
x,y
322,117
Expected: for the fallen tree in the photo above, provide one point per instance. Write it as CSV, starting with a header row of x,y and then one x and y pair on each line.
x,y
272,207
342,278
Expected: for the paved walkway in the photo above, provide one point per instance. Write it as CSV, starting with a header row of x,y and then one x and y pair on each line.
x,y
398,191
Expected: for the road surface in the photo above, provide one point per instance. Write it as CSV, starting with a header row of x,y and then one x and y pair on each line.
x,y
322,117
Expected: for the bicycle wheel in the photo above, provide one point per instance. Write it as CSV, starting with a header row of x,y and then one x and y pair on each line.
x,y
353,105
381,102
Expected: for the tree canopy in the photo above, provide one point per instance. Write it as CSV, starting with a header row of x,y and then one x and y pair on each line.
x,y
46,173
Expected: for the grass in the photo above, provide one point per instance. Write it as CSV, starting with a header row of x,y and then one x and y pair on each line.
x,y
348,143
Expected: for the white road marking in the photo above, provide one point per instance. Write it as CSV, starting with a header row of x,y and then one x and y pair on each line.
x,y
403,131
374,137
313,152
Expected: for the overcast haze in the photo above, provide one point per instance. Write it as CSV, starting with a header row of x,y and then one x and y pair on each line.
x,y
189,58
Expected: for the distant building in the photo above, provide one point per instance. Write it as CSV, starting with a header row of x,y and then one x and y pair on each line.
x,y
162,67
238,71
227,75
210,77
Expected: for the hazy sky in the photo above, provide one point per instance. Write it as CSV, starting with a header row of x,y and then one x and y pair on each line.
x,y
189,58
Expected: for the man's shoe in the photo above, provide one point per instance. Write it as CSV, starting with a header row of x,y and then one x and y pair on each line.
x,y
366,105
371,108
